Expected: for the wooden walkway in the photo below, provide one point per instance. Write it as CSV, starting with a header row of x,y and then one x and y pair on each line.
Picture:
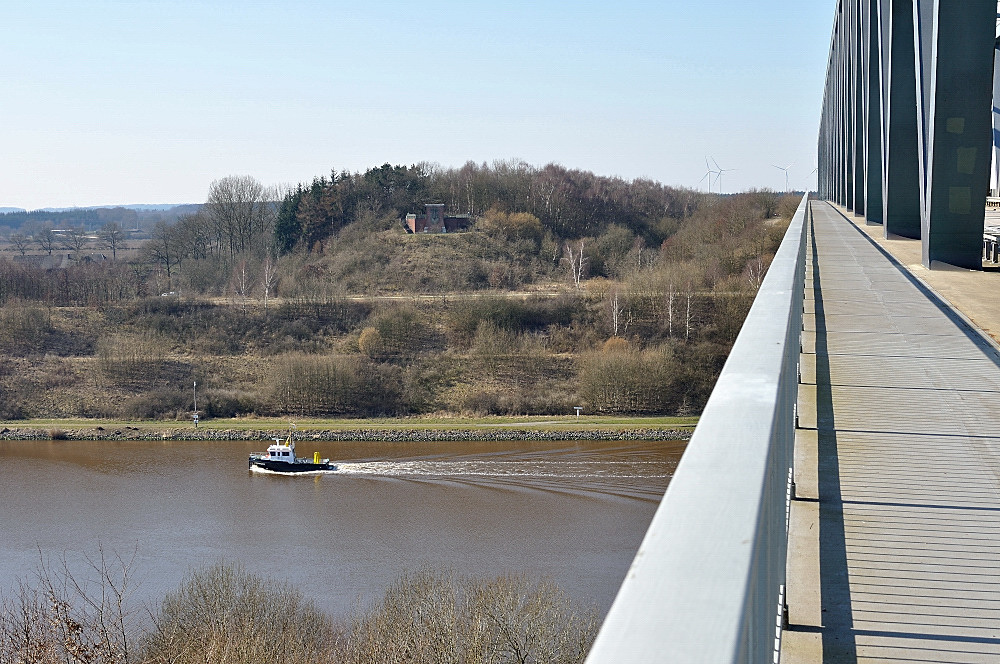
x,y
895,549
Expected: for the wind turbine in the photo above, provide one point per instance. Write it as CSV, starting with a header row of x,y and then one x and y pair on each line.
x,y
708,174
809,182
785,169
719,172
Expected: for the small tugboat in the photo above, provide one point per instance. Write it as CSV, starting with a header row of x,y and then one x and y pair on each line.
x,y
280,458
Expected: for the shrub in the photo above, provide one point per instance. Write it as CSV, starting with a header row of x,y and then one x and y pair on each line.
x,y
151,306
502,312
515,226
131,358
370,342
298,330
158,404
439,617
606,255
493,344
225,404
9,409
512,314
519,380
339,315
60,618
479,402
207,275
23,328
226,614
402,330
536,398
427,379
325,385
615,345
624,380
223,613
56,372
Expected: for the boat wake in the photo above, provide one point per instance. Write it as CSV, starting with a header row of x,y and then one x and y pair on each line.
x,y
479,468
519,469
631,479
587,475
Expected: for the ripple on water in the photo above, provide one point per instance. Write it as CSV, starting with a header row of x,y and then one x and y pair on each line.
x,y
574,512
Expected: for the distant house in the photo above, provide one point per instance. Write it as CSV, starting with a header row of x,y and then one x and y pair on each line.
x,y
436,221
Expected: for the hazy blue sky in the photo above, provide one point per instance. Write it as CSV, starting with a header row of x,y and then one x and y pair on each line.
x,y
146,101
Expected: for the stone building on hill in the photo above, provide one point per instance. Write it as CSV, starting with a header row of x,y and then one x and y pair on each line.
x,y
434,220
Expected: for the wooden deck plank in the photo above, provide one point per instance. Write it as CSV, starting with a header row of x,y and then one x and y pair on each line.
x,y
903,397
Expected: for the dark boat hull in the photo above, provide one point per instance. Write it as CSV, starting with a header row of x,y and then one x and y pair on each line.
x,y
289,467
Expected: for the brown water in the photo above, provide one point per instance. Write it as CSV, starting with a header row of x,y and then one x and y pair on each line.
x,y
571,512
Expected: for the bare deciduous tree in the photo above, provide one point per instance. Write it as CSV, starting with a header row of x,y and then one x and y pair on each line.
x,y
20,242
268,277
76,239
621,316
688,315
240,285
242,213
163,249
671,294
138,271
576,262
638,247
63,619
45,238
112,236
755,271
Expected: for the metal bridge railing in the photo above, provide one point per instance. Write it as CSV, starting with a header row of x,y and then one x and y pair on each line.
x,y
707,583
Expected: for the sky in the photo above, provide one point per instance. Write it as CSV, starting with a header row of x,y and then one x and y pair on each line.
x,y
111,102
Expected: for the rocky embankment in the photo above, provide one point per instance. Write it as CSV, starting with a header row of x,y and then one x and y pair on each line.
x,y
377,435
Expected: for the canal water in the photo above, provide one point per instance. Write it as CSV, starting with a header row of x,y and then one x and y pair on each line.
x,y
571,512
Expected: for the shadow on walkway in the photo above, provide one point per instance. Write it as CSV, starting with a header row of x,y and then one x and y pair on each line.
x,y
837,629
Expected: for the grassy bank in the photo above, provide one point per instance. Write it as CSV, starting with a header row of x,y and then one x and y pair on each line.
x,y
582,423
396,429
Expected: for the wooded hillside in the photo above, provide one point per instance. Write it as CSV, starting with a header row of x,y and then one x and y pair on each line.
x,y
569,289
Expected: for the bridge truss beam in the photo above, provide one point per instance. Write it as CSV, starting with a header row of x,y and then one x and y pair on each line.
x,y
906,125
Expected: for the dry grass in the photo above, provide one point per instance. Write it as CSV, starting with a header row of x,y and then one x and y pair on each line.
x,y
485,355
437,422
